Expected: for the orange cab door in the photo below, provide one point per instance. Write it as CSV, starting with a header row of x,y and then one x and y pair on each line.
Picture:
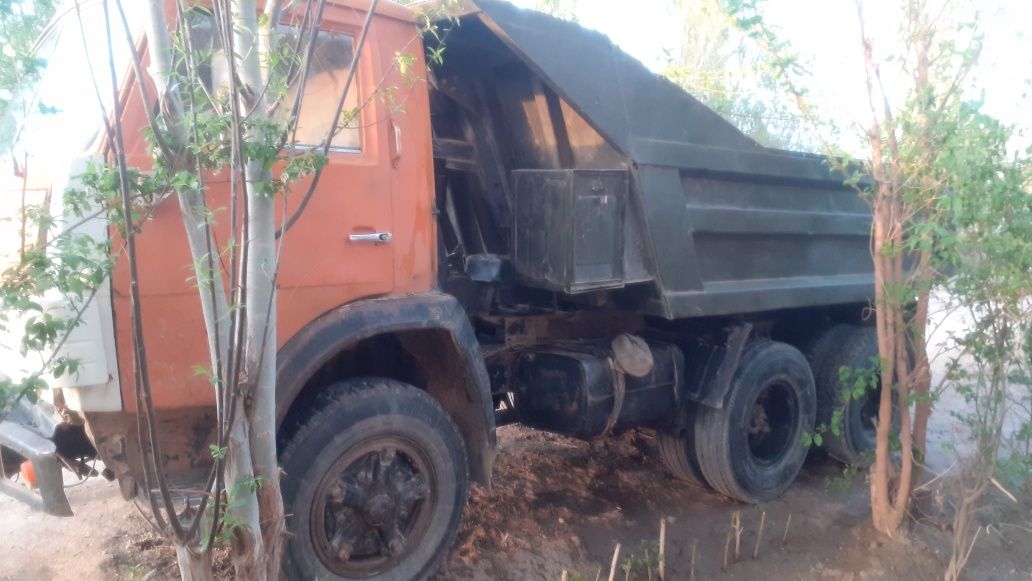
x,y
411,160
342,247
328,256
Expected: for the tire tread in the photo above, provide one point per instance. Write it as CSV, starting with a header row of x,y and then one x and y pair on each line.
x,y
356,394
712,430
678,456
856,351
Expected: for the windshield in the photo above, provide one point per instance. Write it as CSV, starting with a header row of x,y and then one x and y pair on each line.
x,y
59,116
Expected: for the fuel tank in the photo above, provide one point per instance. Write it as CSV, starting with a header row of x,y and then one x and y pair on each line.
x,y
579,391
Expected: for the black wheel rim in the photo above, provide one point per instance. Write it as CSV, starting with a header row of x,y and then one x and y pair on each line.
x,y
771,427
373,507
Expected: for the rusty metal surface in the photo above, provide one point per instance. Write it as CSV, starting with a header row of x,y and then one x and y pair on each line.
x,y
185,433
568,228
525,330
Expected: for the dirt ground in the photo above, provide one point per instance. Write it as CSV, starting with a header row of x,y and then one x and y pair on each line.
x,y
562,504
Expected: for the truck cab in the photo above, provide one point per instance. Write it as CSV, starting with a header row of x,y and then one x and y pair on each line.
x,y
538,229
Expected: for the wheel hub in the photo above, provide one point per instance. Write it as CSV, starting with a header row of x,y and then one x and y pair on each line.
x,y
372,507
377,510
770,427
760,425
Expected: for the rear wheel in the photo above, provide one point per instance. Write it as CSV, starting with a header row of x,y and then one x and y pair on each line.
x,y
857,428
375,484
752,448
677,449
820,354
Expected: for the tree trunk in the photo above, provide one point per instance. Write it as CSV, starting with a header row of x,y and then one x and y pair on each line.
x,y
888,502
248,549
159,48
881,508
205,254
260,277
194,566
261,363
255,508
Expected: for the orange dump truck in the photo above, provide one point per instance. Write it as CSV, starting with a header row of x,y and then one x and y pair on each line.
x,y
545,233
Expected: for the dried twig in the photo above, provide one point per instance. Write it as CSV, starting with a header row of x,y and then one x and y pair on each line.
x,y
616,560
736,526
997,484
788,523
565,576
691,570
648,565
759,535
727,550
662,549
598,574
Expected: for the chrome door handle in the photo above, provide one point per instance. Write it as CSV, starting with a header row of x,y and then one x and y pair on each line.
x,y
373,237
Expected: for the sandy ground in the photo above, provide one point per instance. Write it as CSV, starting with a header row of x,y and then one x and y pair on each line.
x,y
37,546
561,504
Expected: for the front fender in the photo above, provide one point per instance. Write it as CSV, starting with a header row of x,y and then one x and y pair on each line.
x,y
346,326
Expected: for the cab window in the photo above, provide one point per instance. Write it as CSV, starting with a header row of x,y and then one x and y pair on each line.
x,y
327,75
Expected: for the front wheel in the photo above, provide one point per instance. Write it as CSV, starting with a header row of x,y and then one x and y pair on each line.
x,y
375,485
752,448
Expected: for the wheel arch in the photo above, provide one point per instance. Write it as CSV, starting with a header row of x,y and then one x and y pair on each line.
x,y
422,339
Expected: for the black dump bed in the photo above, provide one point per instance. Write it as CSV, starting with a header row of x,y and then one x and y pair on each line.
x,y
597,175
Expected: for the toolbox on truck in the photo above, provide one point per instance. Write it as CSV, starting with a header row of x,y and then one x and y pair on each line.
x,y
568,230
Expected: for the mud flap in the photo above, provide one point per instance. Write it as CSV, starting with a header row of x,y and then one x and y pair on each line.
x,y
712,367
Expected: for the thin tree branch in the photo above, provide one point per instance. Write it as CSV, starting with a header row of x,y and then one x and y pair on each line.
x,y
159,139
140,349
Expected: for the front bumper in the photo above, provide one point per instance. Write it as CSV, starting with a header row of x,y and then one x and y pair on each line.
x,y
20,434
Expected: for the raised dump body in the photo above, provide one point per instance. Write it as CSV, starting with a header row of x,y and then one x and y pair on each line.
x,y
592,173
